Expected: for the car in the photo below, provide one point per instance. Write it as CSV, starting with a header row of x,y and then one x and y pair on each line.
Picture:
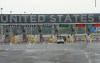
x,y
60,40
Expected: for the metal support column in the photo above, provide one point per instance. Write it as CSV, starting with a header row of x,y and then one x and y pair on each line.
x,y
10,31
26,29
56,30
75,31
40,32
1,31
53,32
85,28
31,29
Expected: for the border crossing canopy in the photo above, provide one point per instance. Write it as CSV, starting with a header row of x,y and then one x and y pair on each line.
x,y
49,18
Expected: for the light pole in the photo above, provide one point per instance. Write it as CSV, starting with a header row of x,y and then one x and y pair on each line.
x,y
1,10
10,27
95,3
24,30
24,12
10,12
31,27
26,25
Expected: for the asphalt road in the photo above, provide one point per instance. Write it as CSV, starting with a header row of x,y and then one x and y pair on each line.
x,y
50,53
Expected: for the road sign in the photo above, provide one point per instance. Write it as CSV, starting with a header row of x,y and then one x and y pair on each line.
x,y
63,25
80,25
96,25
92,29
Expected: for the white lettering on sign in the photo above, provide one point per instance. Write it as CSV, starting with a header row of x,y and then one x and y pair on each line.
x,y
25,17
84,18
19,16
59,18
33,18
52,18
68,18
41,18
4,18
91,18
13,18
76,17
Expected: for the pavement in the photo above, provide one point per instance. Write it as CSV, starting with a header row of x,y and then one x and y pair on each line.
x,y
50,53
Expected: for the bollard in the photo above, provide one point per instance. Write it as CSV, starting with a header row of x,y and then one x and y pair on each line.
x,y
72,39
67,39
90,39
85,39
31,40
50,40
12,39
16,40
28,36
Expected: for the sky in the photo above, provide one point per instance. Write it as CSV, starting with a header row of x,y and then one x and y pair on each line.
x,y
49,6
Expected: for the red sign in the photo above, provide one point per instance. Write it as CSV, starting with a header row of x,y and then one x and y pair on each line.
x,y
96,25
80,25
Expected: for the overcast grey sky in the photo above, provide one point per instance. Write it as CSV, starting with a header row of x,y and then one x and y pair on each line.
x,y
49,6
